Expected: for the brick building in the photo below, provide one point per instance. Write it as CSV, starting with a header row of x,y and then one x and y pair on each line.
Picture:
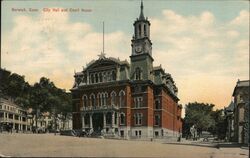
x,y
130,100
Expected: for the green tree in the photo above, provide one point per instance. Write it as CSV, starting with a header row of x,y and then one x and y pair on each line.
x,y
198,114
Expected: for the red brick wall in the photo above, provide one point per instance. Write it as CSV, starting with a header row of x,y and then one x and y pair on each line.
x,y
169,113
150,105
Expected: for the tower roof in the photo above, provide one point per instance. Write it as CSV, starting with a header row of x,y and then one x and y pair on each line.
x,y
141,14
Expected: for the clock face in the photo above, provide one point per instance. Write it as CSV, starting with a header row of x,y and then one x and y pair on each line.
x,y
138,49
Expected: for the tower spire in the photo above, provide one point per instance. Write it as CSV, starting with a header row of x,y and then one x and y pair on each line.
x,y
141,14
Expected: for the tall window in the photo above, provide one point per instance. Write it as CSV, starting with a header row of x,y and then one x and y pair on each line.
x,y
96,78
138,102
157,120
92,99
138,118
122,98
100,77
139,30
104,77
92,78
157,104
122,119
99,95
113,98
144,29
108,76
84,101
104,98
137,73
113,75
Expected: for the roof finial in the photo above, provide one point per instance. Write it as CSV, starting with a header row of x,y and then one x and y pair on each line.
x,y
102,55
141,14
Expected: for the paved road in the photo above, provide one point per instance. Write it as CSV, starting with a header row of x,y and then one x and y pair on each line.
x,y
45,145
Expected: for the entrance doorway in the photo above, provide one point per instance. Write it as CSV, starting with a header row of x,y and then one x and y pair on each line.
x,y
97,122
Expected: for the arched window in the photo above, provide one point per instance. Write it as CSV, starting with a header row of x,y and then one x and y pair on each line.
x,y
139,27
113,98
92,78
96,78
84,98
145,31
122,119
108,76
104,77
105,98
100,77
137,73
122,98
113,75
99,96
92,99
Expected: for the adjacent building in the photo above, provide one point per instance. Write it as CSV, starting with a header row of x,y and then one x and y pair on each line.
x,y
229,116
130,100
13,114
241,112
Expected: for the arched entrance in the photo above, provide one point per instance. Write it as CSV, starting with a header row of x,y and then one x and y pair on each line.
x,y
97,122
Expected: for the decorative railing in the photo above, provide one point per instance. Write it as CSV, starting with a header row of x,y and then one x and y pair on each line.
x,y
97,108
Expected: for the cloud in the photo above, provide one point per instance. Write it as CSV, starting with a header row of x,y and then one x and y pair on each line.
x,y
205,56
202,52
50,45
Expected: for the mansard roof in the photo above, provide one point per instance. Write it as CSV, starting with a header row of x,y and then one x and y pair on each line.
x,y
106,61
240,84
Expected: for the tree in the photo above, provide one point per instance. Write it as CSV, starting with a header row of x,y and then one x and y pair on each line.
x,y
220,127
198,114
43,96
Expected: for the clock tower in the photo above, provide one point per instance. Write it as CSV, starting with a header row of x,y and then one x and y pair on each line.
x,y
141,58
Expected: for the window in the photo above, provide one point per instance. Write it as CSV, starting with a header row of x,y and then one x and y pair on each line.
x,y
104,77
144,29
96,78
122,119
157,104
122,98
92,99
137,73
139,30
100,77
85,101
102,98
138,102
108,76
113,98
136,133
122,133
92,78
113,75
157,120
140,133
99,95
156,134
138,118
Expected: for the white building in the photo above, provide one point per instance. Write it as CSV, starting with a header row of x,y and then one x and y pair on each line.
x,y
12,114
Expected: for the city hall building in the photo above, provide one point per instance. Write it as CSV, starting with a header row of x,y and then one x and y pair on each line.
x,y
129,100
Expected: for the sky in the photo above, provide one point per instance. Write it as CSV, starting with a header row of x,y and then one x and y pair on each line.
x,y
203,44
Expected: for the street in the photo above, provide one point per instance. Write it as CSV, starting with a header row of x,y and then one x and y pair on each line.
x,y
50,145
